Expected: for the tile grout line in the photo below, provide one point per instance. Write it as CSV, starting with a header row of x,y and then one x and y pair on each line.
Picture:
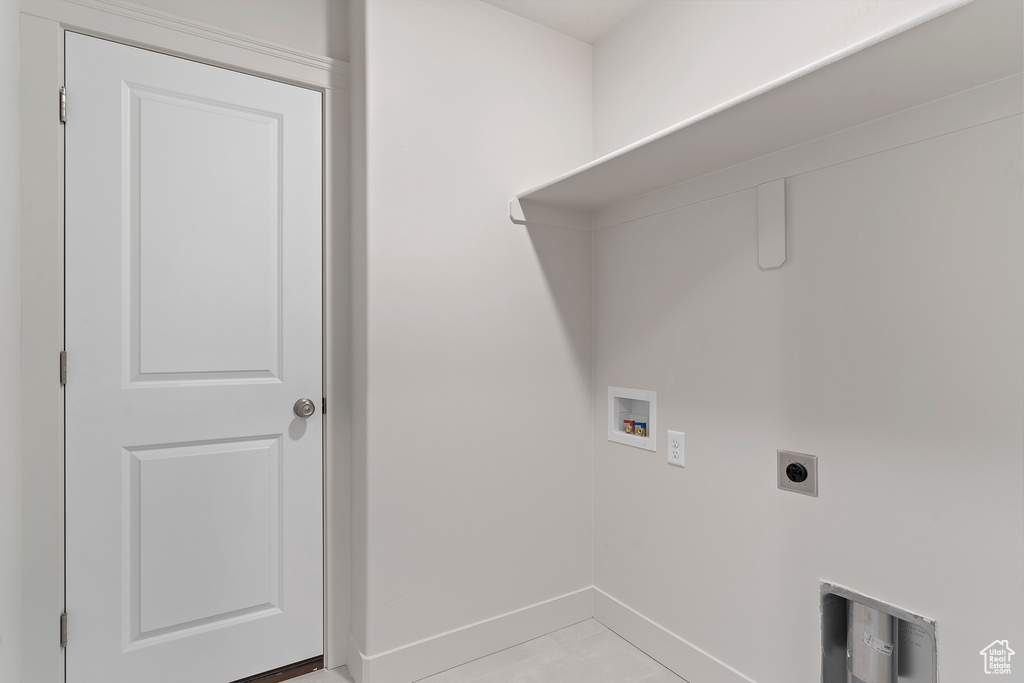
x,y
640,656
565,646
655,673
648,656
558,646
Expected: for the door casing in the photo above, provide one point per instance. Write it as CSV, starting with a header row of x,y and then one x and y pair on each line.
x,y
43,23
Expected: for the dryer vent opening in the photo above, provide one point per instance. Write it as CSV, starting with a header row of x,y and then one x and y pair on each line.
x,y
864,640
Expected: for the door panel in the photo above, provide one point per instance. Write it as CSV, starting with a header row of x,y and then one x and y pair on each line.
x,y
187,571
225,238
193,323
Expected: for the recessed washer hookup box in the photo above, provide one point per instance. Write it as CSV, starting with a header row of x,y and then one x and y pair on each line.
x,y
633,417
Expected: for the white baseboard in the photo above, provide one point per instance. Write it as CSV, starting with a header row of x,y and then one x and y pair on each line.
x,y
673,652
354,660
438,653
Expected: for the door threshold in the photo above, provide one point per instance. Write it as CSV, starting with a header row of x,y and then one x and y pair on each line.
x,y
286,672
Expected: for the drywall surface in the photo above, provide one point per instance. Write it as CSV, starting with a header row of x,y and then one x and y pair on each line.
x,y
10,345
312,26
673,60
889,345
478,459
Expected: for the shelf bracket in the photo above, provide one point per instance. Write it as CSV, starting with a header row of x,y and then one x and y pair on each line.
x,y
771,224
515,212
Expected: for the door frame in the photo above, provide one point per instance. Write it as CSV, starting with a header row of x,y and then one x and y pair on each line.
x,y
43,24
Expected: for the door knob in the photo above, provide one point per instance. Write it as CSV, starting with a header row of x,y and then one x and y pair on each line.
x,y
304,407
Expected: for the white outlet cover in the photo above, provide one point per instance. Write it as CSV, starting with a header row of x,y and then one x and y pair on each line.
x,y
676,448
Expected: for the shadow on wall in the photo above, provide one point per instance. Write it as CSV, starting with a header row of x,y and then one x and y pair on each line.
x,y
654,276
336,28
565,258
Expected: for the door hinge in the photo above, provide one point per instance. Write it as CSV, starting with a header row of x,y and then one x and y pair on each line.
x,y
63,105
63,629
324,411
63,368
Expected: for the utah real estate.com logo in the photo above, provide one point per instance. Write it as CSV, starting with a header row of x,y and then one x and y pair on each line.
x,y
997,657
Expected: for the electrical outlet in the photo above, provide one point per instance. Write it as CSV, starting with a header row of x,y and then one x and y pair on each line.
x,y
798,472
676,449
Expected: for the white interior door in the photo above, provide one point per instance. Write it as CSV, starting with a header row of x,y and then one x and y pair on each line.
x,y
193,252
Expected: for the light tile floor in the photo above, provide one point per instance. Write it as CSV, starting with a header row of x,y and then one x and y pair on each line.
x,y
339,675
586,652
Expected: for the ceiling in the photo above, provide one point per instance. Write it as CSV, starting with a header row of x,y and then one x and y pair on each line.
x,y
586,20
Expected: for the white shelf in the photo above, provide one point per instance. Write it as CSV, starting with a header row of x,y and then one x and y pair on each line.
x,y
971,45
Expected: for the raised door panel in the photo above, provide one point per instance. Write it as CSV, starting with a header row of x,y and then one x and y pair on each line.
x,y
204,253
204,534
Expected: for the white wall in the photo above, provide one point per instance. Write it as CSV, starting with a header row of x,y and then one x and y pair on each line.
x,y
889,345
10,345
477,457
307,25
673,60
